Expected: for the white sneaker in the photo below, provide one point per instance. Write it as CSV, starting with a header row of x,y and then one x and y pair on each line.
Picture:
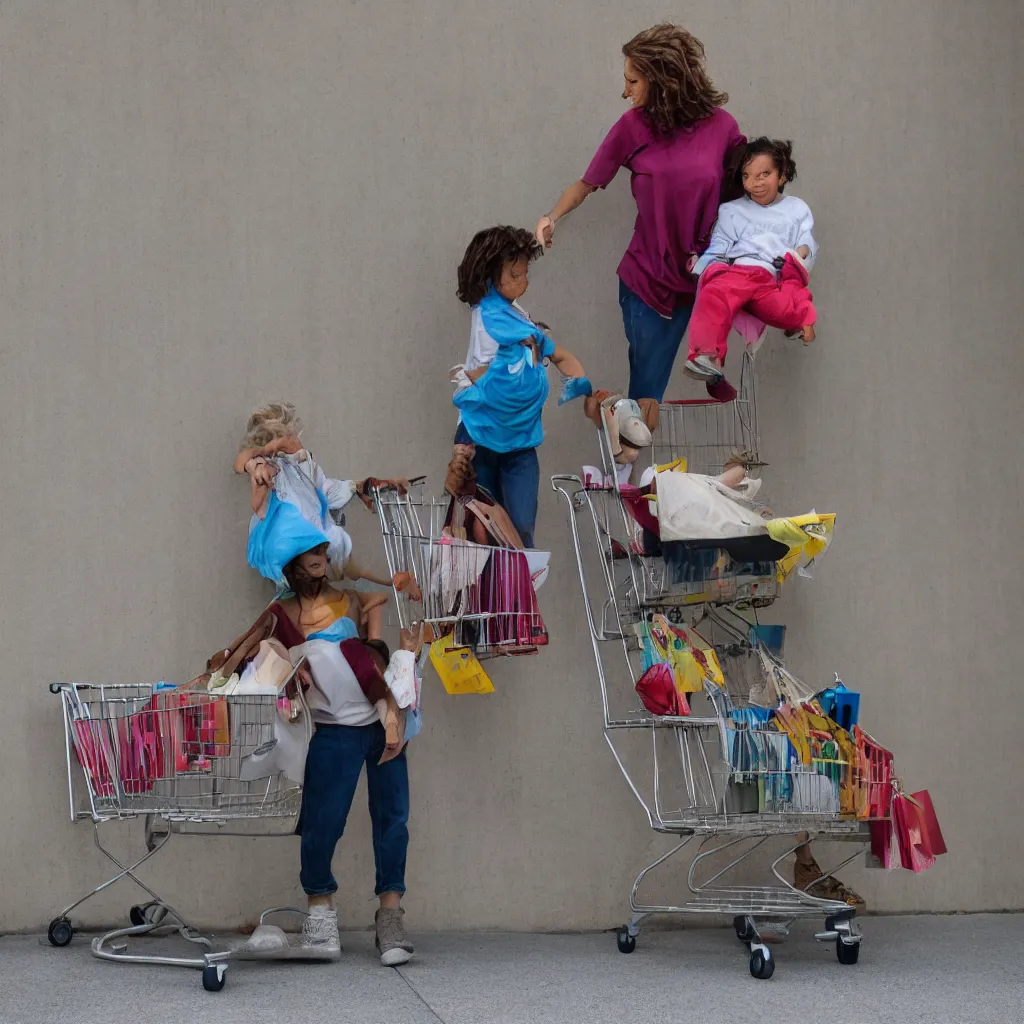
x,y
702,367
392,942
320,931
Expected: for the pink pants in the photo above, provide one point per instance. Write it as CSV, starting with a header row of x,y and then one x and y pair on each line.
x,y
783,302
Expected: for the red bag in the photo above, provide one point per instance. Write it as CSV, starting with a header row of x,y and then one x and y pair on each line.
x,y
657,691
929,822
915,854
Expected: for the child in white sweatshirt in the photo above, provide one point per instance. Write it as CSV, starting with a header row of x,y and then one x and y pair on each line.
x,y
757,261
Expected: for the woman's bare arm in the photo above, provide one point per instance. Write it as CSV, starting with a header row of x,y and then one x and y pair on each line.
x,y
567,202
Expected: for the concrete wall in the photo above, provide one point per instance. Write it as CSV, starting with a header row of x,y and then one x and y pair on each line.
x,y
203,205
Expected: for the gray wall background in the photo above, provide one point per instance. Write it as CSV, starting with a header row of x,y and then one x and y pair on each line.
x,y
204,205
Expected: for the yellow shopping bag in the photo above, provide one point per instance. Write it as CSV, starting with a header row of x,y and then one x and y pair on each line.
x,y
459,668
670,648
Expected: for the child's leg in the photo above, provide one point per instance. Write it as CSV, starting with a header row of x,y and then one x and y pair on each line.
x,y
520,483
723,292
788,304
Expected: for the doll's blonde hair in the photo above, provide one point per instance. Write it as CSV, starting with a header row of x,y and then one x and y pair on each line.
x,y
269,422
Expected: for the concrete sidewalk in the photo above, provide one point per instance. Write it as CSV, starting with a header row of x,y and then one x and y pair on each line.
x,y
938,970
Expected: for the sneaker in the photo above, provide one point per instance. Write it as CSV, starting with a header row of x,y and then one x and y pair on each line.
x,y
703,368
392,942
808,878
320,931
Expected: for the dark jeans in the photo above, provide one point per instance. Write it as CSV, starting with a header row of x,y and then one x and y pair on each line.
x,y
513,478
335,759
653,343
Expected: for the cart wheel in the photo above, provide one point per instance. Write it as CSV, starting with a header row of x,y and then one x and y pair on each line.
x,y
214,976
762,964
743,930
60,932
847,952
624,940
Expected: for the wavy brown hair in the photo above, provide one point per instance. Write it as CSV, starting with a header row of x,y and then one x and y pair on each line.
x,y
489,251
679,92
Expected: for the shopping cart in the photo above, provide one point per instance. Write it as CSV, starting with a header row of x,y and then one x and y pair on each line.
x,y
187,762
722,778
480,595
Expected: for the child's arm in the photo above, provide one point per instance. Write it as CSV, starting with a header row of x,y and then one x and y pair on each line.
x,y
371,615
290,445
722,239
355,571
805,243
568,365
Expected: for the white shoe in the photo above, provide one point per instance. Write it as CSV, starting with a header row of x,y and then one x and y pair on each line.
x,y
320,931
392,942
702,367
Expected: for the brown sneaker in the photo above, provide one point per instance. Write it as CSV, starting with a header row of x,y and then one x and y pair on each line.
x,y
808,878
392,942
461,477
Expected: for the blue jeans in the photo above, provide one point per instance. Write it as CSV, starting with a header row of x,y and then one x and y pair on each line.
x,y
653,343
513,479
335,759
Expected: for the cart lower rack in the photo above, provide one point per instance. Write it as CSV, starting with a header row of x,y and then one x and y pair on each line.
x,y
187,762
723,778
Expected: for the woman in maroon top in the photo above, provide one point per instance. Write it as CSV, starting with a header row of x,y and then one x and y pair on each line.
x,y
680,148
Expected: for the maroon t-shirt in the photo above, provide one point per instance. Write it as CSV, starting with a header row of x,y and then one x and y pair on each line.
x,y
676,182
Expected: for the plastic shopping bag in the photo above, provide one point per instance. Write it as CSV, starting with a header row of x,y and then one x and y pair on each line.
x,y
459,669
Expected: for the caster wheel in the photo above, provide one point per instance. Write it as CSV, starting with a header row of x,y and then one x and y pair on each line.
x,y
847,952
743,930
214,977
137,916
762,965
625,941
60,931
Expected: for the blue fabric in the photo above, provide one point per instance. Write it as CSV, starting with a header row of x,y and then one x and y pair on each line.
x,y
575,387
653,343
333,765
340,629
502,410
413,724
279,536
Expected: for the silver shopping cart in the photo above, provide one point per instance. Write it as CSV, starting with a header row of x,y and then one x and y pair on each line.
x,y
722,778
186,762
451,573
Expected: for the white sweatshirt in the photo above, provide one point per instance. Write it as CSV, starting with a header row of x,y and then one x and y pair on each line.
x,y
753,235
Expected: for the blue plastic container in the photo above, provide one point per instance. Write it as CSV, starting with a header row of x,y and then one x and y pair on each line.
x,y
771,637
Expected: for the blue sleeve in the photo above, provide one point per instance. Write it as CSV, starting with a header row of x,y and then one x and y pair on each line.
x,y
545,346
503,323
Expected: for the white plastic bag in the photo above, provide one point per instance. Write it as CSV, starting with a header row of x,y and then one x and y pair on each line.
x,y
692,506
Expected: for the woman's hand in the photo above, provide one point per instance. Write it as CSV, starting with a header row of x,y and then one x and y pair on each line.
x,y
545,231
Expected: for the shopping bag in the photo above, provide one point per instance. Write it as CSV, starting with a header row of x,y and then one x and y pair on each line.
x,y
657,691
929,822
459,669
696,507
703,654
915,853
